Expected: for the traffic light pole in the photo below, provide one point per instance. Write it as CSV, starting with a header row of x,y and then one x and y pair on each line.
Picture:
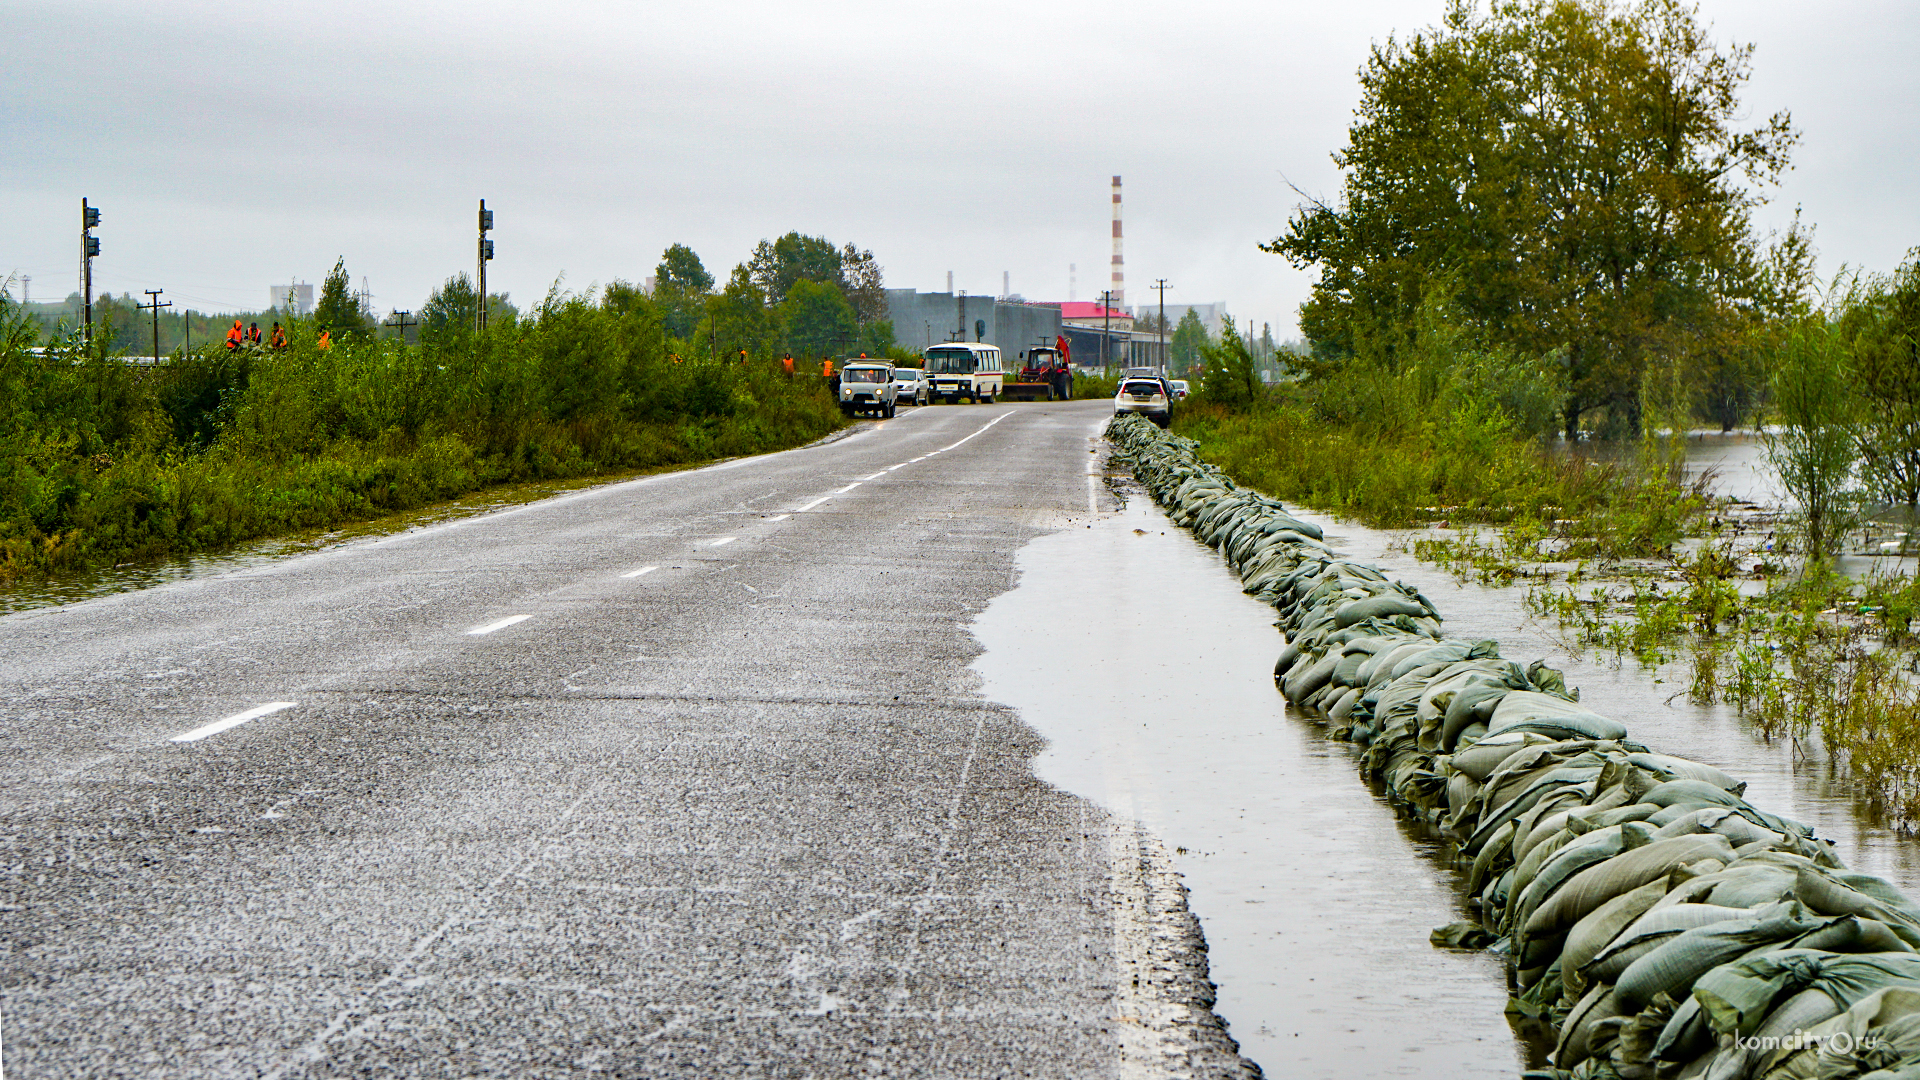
x,y
485,253
89,247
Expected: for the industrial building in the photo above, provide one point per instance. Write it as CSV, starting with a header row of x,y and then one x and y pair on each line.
x,y
922,319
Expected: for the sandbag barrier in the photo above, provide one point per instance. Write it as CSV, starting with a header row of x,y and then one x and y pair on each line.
x,y
1652,919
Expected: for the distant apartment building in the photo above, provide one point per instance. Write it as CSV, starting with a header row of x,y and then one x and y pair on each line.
x,y
296,298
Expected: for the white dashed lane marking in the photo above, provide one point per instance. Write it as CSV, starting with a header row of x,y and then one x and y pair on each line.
x,y
501,625
642,570
723,540
234,721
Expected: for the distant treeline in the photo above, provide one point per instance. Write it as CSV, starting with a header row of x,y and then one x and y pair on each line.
x,y
104,461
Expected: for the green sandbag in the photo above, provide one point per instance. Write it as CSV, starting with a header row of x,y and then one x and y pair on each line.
x,y
1675,965
1653,930
1530,710
1878,1031
1597,884
1587,851
1595,1006
1601,926
1737,997
1674,768
1824,893
1383,606
1482,758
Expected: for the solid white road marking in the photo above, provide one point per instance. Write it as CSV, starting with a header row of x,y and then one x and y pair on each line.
x,y
642,570
235,720
723,540
501,625
848,488
879,474
779,517
813,504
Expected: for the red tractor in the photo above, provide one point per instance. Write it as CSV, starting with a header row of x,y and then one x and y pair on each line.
x,y
1044,376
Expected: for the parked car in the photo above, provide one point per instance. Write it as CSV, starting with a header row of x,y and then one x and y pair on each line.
x,y
1179,389
1143,395
910,386
867,386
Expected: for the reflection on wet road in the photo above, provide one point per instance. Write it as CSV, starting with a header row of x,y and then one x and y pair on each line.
x,y
1131,648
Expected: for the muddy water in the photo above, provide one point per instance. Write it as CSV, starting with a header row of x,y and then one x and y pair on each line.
x,y
1131,648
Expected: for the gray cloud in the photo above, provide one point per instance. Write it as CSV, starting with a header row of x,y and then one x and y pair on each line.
x,y
235,145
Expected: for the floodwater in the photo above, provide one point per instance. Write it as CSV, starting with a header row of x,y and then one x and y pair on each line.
x,y
1130,647
1148,671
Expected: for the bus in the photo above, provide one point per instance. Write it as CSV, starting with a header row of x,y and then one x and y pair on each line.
x,y
965,369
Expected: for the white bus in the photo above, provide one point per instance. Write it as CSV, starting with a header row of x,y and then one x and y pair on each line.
x,y
965,369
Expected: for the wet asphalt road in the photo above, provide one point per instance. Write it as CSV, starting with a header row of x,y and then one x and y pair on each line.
x,y
743,812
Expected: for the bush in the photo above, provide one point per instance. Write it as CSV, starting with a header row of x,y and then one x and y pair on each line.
x,y
102,461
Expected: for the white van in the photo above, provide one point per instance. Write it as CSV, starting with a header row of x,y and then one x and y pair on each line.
x,y
965,369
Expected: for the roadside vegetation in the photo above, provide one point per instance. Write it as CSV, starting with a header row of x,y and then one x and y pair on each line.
x,y
104,460
1540,273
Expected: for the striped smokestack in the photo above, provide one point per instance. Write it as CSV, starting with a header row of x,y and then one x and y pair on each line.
x,y
1119,297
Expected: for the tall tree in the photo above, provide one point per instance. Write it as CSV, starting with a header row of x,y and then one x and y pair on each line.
x,y
1882,325
819,320
1573,172
860,280
776,265
1185,345
681,285
738,318
339,310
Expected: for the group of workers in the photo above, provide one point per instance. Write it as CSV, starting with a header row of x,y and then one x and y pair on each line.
x,y
249,336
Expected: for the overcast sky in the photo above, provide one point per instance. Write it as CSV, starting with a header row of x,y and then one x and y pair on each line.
x,y
232,146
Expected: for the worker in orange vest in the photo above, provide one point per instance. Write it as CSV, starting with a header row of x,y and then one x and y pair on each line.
x,y
787,363
235,336
826,365
326,339
253,333
279,338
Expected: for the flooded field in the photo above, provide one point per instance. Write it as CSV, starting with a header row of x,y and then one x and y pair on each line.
x,y
1130,647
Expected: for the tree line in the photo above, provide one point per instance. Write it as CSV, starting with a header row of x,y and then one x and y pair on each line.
x,y
103,461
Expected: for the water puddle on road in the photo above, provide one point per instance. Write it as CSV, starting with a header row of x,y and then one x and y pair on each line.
x,y
1130,647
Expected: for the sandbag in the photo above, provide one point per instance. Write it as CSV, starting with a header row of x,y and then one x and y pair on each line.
x,y
1675,965
1736,997
1597,884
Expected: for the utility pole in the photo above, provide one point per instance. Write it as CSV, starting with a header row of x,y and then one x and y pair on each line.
x,y
480,276
400,320
26,289
154,303
1161,285
1106,328
89,247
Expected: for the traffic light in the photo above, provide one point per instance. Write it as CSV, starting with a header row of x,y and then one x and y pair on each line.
x,y
92,218
486,249
486,220
93,246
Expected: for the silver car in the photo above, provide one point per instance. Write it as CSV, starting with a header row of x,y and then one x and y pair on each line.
x,y
910,386
1150,396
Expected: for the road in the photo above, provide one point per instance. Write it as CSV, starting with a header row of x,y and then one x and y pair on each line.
x,y
681,776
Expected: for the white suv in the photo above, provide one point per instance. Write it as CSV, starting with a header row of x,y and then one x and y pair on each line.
x,y
867,387
911,386
1144,395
